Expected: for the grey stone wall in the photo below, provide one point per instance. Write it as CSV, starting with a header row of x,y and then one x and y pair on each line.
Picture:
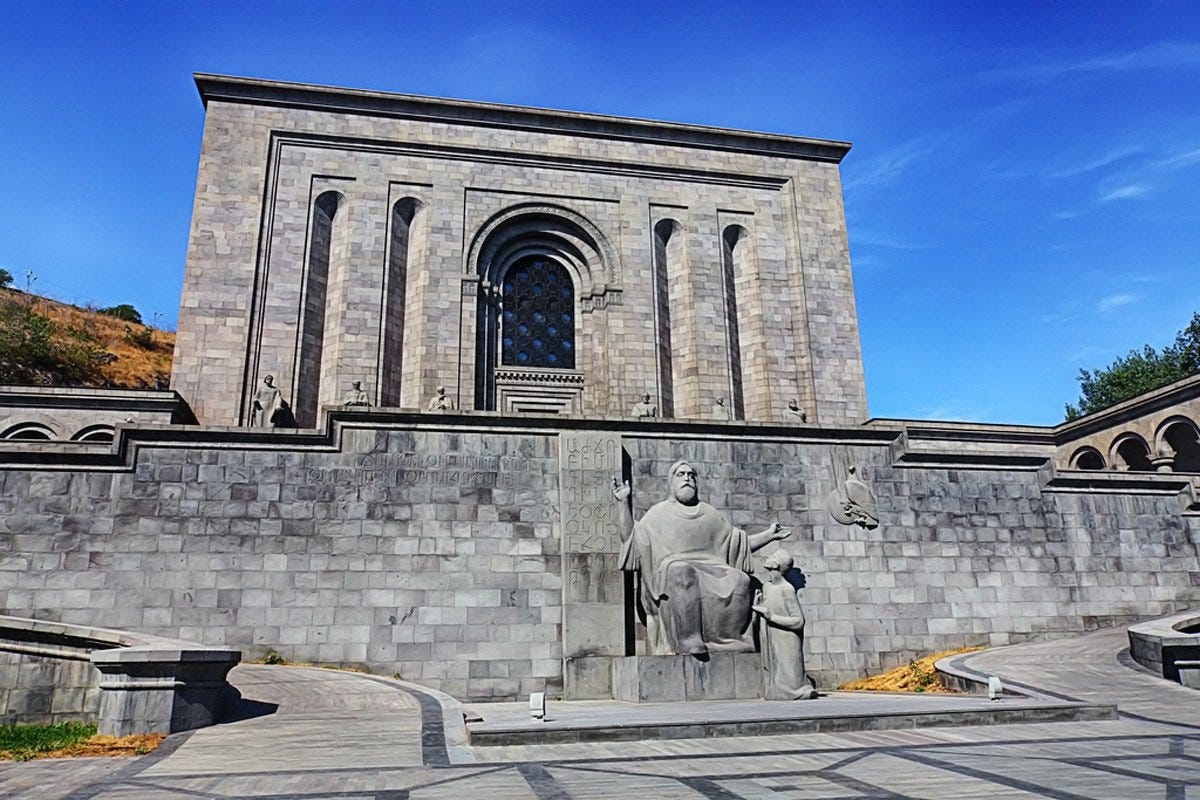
x,y
429,548
41,689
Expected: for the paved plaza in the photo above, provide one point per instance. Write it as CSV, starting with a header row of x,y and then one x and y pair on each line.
x,y
316,734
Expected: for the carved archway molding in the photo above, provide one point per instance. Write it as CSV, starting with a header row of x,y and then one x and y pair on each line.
x,y
547,221
1161,445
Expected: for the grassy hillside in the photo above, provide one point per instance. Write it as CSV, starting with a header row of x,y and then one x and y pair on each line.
x,y
47,343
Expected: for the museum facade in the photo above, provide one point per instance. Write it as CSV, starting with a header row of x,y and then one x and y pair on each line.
x,y
423,341
524,259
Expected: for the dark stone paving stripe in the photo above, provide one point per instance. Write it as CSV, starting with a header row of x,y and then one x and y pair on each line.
x,y
868,790
433,729
990,777
710,789
543,784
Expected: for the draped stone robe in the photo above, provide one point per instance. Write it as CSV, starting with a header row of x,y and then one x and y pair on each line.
x,y
782,643
703,538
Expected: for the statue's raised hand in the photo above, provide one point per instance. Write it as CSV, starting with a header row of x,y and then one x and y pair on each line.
x,y
779,532
621,490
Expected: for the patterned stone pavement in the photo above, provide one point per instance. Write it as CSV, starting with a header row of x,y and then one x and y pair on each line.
x,y
338,735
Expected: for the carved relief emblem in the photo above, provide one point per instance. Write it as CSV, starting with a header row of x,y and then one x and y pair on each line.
x,y
853,503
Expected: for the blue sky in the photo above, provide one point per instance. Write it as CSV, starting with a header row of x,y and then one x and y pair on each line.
x,y
1023,196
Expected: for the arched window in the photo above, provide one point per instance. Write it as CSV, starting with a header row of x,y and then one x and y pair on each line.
x,y
313,311
404,237
734,263
1131,453
669,263
1183,442
537,326
95,433
30,431
1087,458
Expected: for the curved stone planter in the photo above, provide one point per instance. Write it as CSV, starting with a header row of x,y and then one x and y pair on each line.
x,y
1162,645
124,682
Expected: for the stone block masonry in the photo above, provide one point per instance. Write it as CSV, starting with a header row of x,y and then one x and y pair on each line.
x,y
431,546
343,235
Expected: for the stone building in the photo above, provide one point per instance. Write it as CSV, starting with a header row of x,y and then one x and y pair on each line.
x,y
525,259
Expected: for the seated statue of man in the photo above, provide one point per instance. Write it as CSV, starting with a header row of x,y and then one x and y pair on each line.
x,y
694,590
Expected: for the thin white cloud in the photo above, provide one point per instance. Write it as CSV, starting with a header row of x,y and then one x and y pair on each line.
x,y
1162,55
1181,160
957,410
1097,163
1127,192
1066,214
1114,301
888,166
870,238
1089,353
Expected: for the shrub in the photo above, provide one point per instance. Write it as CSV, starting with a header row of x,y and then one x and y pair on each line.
x,y
140,337
33,350
272,657
6,279
125,312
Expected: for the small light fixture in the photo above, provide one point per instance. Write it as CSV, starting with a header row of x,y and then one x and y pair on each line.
x,y
537,706
995,688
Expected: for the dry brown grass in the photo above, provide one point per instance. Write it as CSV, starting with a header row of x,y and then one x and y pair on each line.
x,y
916,676
135,745
133,367
96,745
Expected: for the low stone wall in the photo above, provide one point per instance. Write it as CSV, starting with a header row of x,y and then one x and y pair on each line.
x,y
123,682
1158,644
432,545
46,683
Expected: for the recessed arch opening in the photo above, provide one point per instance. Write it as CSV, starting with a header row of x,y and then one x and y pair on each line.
x,y
30,431
1130,453
1088,458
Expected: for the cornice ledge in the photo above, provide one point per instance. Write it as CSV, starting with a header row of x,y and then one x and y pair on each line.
x,y
237,89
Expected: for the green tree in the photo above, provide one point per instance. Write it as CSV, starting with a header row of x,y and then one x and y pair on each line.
x,y
125,312
1139,372
5,278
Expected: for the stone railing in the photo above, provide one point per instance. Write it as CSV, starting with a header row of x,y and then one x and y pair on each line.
x,y
1163,644
124,682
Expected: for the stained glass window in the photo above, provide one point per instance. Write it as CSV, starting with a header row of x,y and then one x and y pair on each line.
x,y
538,328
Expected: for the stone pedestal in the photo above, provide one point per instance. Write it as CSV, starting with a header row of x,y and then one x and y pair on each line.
x,y
657,679
161,688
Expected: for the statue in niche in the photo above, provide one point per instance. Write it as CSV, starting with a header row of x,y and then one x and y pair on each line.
x,y
441,401
720,410
793,413
853,503
692,565
267,405
356,396
781,633
644,408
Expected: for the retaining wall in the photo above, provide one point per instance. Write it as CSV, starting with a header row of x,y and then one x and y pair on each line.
x,y
430,547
